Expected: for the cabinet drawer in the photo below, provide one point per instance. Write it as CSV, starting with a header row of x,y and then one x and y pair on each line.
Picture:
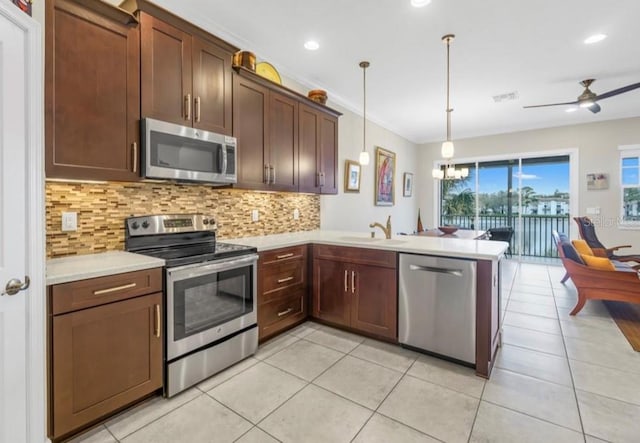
x,y
355,255
280,313
83,294
283,254
280,276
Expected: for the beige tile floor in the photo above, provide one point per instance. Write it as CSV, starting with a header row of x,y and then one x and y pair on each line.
x,y
557,379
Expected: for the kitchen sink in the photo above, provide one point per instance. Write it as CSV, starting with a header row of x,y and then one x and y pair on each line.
x,y
361,239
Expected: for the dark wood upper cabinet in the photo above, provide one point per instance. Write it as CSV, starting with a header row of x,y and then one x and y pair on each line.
x,y
250,117
283,142
318,151
211,87
186,72
92,91
166,71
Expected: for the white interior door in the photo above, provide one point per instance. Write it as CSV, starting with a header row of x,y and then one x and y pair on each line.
x,y
22,318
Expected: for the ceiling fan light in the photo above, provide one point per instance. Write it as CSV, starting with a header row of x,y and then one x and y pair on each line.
x,y
587,104
364,158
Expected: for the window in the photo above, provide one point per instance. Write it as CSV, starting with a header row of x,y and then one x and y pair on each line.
x,y
630,185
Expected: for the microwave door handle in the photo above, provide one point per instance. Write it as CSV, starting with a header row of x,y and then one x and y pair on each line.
x,y
223,152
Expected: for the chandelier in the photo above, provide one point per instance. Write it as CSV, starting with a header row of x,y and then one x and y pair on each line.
x,y
448,171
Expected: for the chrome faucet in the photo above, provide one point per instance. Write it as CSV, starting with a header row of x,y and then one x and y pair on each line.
x,y
386,230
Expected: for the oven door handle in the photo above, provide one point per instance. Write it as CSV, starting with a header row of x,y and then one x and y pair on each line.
x,y
198,269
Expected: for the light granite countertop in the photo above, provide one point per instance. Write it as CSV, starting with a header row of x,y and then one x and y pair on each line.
x,y
80,267
443,246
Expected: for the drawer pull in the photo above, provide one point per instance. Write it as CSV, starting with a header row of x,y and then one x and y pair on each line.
x,y
114,289
157,325
280,314
280,257
282,280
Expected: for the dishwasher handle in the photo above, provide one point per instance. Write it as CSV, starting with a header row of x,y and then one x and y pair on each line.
x,y
456,272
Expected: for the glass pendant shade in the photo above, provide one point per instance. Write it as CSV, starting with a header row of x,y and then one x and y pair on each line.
x,y
364,158
447,150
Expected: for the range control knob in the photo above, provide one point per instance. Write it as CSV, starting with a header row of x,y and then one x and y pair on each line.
x,y
135,225
145,224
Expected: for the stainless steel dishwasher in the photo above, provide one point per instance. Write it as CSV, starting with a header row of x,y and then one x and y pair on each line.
x,y
437,306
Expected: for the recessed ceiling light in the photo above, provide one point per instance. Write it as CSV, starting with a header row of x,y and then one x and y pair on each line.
x,y
594,39
311,45
571,110
419,3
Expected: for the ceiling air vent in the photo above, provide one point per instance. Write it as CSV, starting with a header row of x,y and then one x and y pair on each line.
x,y
509,96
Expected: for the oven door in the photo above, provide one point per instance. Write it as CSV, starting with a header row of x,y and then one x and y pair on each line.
x,y
209,301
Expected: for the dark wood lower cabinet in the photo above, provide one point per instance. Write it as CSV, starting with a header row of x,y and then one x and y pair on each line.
x,y
103,358
356,288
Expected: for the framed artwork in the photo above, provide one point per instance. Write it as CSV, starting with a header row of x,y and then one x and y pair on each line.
x,y
25,5
407,187
385,177
351,176
597,181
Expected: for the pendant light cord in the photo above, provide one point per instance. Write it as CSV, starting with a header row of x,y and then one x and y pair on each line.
x,y
364,66
448,39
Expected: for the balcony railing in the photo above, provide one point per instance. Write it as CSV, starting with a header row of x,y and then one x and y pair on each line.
x,y
532,239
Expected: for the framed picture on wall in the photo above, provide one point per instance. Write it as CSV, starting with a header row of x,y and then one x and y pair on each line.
x,y
407,187
351,176
25,5
597,181
385,177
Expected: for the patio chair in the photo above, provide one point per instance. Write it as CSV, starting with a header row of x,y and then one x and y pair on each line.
x,y
588,234
502,233
619,283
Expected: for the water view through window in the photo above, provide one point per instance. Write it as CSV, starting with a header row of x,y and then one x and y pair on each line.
x,y
529,195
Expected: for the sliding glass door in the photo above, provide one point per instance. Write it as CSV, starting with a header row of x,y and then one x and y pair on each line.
x,y
529,195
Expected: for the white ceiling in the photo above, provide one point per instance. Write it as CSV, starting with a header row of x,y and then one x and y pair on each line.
x,y
533,47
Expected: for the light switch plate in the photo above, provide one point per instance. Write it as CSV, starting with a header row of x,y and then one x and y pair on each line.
x,y
255,215
69,221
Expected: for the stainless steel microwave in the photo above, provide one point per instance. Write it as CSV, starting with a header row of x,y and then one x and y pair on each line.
x,y
177,152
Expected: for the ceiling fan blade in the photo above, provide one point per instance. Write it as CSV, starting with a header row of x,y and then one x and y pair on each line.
x,y
552,104
618,91
595,108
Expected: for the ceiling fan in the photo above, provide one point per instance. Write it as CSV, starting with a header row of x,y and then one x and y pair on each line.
x,y
588,99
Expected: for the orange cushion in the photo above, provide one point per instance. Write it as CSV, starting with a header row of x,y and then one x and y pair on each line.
x,y
600,263
582,247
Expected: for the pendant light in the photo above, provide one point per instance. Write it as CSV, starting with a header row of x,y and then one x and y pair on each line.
x,y
449,171
364,155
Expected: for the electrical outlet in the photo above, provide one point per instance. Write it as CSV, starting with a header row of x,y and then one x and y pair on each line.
x,y
69,221
296,214
255,215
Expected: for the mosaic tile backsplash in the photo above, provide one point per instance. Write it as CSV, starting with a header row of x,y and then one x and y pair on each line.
x,y
103,207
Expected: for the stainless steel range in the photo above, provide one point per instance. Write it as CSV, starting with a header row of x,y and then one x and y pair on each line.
x,y
210,295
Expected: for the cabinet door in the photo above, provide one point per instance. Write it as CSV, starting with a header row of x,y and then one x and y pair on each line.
x,y
104,358
92,83
250,113
211,87
283,142
309,127
375,301
166,72
331,299
328,146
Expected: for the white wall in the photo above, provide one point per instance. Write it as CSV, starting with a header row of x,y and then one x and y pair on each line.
x,y
597,145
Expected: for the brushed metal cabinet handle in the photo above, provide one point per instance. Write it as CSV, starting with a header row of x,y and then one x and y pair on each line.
x,y
282,280
187,107
197,105
273,174
134,148
285,312
346,281
267,174
280,257
157,326
114,289
353,282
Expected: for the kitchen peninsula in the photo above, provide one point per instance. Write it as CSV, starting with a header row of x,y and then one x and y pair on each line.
x,y
355,281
